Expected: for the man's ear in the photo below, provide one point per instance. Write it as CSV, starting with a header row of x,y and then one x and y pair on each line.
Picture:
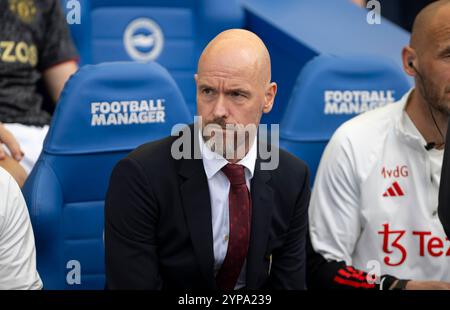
x,y
269,97
196,78
408,59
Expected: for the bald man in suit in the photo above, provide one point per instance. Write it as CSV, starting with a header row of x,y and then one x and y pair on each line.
x,y
217,221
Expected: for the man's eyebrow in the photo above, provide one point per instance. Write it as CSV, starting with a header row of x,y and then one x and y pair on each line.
x,y
445,51
238,90
203,85
229,90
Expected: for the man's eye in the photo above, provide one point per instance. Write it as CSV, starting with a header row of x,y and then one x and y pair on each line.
x,y
207,91
236,94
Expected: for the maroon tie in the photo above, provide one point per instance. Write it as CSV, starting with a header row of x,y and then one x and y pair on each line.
x,y
239,207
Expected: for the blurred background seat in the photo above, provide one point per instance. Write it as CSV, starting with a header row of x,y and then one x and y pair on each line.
x,y
171,32
329,91
174,32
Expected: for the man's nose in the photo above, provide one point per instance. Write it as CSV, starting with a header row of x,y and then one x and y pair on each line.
x,y
220,107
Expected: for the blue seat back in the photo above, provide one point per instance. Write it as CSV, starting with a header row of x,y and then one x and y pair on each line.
x,y
104,112
329,91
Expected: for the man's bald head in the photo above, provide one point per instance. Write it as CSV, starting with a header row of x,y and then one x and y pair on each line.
x,y
239,48
427,60
428,24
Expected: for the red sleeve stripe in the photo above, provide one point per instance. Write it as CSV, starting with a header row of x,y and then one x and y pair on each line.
x,y
357,274
352,283
344,273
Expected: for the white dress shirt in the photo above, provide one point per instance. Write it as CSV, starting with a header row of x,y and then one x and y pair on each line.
x,y
17,251
219,187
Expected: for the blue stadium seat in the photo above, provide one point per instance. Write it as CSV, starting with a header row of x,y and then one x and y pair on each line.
x,y
329,91
105,111
171,32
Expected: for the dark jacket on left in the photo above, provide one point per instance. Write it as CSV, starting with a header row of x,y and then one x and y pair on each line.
x,y
158,227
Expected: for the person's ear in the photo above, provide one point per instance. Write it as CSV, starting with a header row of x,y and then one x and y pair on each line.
x,y
269,97
408,59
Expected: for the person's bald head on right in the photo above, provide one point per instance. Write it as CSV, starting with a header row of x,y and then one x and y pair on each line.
x,y
427,59
429,25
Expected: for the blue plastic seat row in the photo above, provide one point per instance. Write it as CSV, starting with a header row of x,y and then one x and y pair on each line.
x,y
104,112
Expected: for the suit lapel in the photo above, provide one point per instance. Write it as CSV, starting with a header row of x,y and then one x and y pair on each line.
x,y
262,204
197,208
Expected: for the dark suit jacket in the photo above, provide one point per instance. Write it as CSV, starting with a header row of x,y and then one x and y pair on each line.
x,y
444,188
158,226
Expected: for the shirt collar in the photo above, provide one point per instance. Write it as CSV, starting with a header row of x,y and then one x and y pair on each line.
x,y
406,127
213,162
